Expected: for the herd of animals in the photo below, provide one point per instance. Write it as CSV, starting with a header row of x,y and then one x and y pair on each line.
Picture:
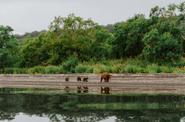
x,y
104,78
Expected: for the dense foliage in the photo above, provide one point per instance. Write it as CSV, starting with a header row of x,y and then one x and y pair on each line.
x,y
128,37
8,47
67,36
158,39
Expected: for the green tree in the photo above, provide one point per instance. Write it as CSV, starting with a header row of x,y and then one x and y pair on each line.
x,y
101,48
161,47
67,36
181,21
81,38
74,35
8,47
128,37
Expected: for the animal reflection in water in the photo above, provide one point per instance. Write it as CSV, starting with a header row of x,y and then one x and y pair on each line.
x,y
66,89
83,89
105,78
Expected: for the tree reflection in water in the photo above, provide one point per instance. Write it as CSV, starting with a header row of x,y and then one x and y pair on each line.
x,y
92,108
7,115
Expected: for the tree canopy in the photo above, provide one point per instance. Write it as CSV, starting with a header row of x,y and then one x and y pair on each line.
x,y
8,47
67,36
158,38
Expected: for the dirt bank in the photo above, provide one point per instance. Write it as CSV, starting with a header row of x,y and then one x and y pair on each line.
x,y
119,83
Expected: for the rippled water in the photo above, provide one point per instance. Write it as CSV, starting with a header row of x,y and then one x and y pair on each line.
x,y
91,108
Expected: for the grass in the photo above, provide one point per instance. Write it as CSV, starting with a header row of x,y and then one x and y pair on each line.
x,y
111,66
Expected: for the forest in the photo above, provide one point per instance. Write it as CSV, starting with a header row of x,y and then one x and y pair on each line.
x,y
152,44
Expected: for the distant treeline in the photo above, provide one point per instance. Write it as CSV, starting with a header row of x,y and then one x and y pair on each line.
x,y
159,39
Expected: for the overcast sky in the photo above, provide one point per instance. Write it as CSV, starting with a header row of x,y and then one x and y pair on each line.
x,y
30,15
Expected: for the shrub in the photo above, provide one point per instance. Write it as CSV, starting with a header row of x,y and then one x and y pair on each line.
x,y
19,70
180,63
128,37
161,47
132,69
70,64
37,69
52,70
153,68
100,68
83,69
179,70
166,69
7,71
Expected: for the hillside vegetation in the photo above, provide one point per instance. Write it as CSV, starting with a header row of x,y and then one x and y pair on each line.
x,y
74,45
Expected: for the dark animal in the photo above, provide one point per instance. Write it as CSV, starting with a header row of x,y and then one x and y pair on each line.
x,y
66,79
85,89
66,89
85,79
79,89
79,78
105,90
105,77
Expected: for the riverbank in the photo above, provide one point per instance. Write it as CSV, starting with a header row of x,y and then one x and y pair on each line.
x,y
119,83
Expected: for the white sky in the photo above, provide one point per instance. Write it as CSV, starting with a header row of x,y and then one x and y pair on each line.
x,y
30,15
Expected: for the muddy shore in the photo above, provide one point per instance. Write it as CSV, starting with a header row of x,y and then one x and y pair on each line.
x,y
119,83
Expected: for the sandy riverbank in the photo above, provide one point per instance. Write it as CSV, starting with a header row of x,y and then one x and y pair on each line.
x,y
119,83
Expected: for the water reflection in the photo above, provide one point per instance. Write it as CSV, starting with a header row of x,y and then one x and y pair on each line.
x,y
91,108
105,90
182,119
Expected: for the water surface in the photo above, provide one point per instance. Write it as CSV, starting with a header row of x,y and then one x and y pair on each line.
x,y
91,108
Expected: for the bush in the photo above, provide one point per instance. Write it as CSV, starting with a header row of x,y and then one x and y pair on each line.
x,y
14,71
83,69
153,68
7,71
180,63
161,47
180,70
45,70
36,70
167,69
159,69
52,70
100,68
70,64
133,69
115,68
19,70
128,37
